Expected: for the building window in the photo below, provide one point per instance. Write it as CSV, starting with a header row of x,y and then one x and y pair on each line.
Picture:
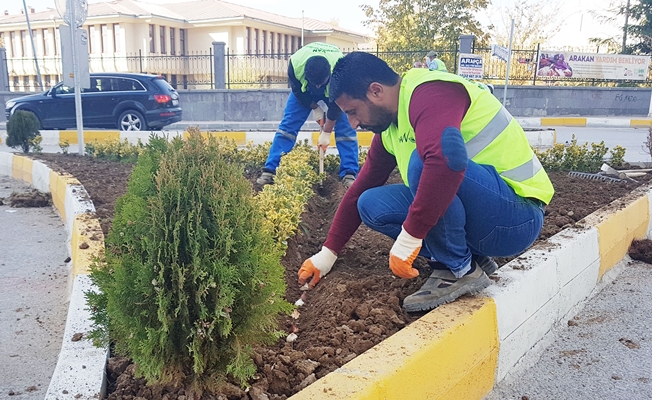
x,y
117,44
152,42
264,42
256,40
248,40
57,41
23,43
173,39
162,39
182,41
104,38
45,42
92,45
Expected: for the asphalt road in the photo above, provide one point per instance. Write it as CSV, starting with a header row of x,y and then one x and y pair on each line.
x,y
604,352
34,286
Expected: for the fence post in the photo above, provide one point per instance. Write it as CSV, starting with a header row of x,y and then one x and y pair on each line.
x,y
536,64
140,59
4,71
466,43
219,65
210,61
228,68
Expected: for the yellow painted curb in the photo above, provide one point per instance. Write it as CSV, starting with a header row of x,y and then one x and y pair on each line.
x,y
364,138
618,229
58,185
450,353
568,121
86,243
21,168
640,123
89,136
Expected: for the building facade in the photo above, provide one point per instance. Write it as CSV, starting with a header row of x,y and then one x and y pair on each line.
x,y
174,40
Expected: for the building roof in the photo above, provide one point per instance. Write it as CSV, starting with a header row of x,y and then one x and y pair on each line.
x,y
192,11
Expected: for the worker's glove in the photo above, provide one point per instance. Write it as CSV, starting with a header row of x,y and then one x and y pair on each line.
x,y
402,255
317,267
319,115
324,140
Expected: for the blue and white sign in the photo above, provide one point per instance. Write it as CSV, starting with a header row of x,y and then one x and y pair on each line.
x,y
470,66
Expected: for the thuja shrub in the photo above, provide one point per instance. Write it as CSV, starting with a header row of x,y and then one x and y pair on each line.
x,y
22,129
191,280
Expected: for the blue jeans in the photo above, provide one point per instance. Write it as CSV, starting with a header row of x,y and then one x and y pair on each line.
x,y
294,117
485,218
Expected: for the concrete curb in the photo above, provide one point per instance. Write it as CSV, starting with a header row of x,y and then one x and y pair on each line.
x,y
589,122
460,350
80,369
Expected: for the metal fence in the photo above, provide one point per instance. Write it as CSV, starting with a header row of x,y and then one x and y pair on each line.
x,y
196,70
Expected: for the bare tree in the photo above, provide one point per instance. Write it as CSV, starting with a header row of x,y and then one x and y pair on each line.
x,y
534,22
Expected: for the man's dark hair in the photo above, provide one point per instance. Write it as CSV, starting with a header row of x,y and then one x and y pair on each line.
x,y
317,70
356,71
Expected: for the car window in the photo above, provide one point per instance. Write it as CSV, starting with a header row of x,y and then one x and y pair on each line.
x,y
126,84
163,84
63,89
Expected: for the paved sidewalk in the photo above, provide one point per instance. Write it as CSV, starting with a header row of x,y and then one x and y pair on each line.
x,y
34,283
604,352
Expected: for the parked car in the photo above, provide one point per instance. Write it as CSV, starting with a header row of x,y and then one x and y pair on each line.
x,y
130,102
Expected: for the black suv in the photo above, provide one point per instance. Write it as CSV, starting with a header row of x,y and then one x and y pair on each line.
x,y
130,102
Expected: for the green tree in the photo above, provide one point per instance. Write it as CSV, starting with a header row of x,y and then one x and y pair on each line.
x,y
404,25
22,129
639,26
190,282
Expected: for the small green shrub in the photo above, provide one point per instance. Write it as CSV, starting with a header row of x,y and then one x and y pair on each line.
x,y
283,202
191,280
116,150
573,157
617,156
22,129
64,145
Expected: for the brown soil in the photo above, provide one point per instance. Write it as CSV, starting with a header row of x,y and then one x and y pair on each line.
x,y
641,250
355,307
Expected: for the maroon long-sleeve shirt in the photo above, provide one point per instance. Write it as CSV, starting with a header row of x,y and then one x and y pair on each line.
x,y
434,106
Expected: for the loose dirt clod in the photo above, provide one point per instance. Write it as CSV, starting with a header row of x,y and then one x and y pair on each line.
x,y
32,198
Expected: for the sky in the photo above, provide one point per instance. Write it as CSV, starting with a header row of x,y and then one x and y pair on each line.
x,y
573,26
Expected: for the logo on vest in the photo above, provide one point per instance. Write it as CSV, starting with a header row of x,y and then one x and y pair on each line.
x,y
405,138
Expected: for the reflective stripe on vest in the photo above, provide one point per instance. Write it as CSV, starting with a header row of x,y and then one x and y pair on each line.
x,y
331,52
492,136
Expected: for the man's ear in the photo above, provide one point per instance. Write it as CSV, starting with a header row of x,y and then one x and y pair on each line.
x,y
375,91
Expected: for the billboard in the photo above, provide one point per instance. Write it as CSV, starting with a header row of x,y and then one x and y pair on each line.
x,y
568,64
470,66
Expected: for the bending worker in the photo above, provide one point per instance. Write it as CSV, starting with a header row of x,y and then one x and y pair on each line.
x,y
309,72
472,186
434,63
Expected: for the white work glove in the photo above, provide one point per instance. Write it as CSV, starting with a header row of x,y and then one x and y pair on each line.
x,y
401,256
317,267
319,115
324,140
323,106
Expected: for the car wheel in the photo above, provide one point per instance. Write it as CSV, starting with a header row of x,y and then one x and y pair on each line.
x,y
132,120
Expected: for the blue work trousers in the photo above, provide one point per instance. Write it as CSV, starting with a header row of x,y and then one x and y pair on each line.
x,y
485,218
294,117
